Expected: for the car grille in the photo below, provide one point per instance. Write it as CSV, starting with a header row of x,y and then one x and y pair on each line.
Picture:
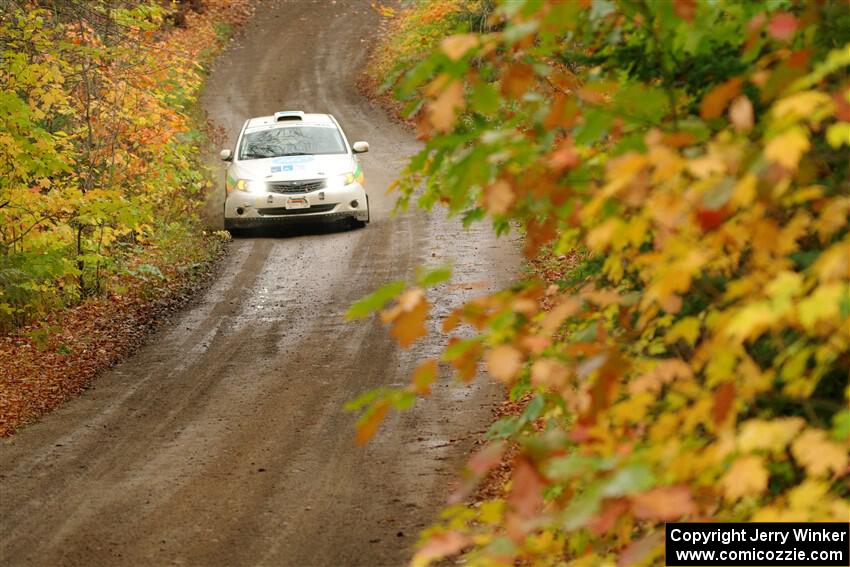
x,y
297,186
285,211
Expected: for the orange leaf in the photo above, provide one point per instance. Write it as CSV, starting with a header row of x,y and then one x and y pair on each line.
x,y
685,9
443,110
498,197
563,112
666,504
723,399
746,477
456,46
606,519
710,219
714,103
466,363
504,362
516,79
526,497
424,375
564,157
481,462
439,546
549,373
368,424
637,551
407,317
538,234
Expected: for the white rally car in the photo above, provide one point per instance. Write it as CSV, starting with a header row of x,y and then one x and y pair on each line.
x,y
294,166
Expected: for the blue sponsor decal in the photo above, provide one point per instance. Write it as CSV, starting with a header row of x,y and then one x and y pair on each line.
x,y
293,159
276,169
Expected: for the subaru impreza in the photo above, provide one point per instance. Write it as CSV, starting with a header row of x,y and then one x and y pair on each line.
x,y
294,165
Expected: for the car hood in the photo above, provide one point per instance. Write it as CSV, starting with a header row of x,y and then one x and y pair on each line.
x,y
293,167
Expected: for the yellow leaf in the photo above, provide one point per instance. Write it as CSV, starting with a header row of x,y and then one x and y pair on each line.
x,y
802,105
804,496
769,435
782,289
746,477
833,217
504,362
687,329
817,454
751,321
833,263
838,134
664,372
787,148
823,304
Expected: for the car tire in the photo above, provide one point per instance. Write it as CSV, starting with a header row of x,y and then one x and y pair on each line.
x,y
234,232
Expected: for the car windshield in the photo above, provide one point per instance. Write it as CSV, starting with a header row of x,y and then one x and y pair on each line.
x,y
291,141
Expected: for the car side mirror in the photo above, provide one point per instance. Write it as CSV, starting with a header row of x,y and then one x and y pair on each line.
x,y
360,147
226,155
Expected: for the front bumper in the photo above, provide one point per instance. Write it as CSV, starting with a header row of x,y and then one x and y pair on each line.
x,y
245,210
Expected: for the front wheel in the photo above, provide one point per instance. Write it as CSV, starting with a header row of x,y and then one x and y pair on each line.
x,y
229,227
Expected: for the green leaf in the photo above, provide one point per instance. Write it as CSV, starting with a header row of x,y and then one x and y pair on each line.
x,y
563,468
485,98
596,124
376,300
430,278
628,480
841,426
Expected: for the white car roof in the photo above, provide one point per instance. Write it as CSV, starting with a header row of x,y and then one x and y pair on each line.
x,y
292,117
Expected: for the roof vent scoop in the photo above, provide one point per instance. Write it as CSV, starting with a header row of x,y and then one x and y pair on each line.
x,y
288,115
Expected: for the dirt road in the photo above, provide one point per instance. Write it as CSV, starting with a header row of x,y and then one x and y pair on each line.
x,y
223,441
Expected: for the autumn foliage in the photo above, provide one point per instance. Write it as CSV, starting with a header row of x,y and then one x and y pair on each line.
x,y
694,363
98,145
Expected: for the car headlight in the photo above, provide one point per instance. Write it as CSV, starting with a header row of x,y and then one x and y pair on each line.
x,y
251,186
340,181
